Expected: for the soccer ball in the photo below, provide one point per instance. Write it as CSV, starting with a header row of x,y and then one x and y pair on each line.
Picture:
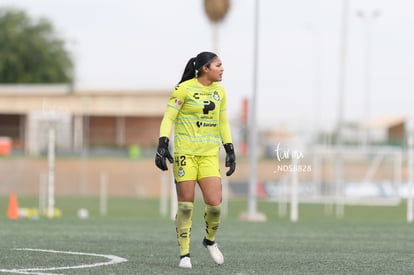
x,y
83,213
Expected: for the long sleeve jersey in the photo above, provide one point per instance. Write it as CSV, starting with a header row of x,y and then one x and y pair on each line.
x,y
199,116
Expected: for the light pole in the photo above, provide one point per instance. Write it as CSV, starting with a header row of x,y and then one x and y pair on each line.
x,y
316,79
342,77
252,214
368,19
342,71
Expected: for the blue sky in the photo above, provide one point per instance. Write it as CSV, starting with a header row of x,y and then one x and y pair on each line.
x,y
137,44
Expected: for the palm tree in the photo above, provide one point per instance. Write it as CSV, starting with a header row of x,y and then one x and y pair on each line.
x,y
216,11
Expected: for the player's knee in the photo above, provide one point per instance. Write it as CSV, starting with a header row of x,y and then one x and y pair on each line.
x,y
185,208
213,210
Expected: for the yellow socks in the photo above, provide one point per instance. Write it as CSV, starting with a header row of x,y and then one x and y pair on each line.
x,y
212,218
183,222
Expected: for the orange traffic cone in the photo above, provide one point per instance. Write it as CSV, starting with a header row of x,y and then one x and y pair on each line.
x,y
13,210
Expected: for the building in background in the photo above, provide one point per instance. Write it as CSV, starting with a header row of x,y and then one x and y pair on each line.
x,y
387,129
82,119
380,130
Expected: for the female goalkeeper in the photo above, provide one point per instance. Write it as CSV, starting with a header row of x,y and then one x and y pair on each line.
x,y
197,108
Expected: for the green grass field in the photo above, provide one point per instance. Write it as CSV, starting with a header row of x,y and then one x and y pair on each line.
x,y
368,240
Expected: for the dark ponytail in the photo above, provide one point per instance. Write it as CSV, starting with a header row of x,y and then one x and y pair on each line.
x,y
189,70
194,65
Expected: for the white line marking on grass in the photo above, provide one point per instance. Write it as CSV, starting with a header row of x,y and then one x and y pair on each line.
x,y
38,270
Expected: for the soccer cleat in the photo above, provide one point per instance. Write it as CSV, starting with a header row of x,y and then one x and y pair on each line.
x,y
214,251
185,262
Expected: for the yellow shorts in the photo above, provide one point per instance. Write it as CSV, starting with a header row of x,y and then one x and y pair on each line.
x,y
187,167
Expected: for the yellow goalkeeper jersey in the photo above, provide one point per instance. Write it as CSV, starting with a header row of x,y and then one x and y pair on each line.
x,y
199,116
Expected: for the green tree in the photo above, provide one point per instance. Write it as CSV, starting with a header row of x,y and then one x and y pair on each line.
x,y
31,51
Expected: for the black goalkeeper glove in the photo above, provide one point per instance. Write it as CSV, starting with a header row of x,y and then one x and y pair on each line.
x,y
162,154
230,158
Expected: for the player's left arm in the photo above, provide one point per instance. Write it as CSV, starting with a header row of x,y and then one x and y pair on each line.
x,y
226,137
224,122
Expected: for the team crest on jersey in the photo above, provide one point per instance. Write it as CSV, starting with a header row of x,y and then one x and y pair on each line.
x,y
216,96
181,172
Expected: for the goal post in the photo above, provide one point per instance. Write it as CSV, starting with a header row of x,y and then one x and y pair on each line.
x,y
339,176
51,172
360,175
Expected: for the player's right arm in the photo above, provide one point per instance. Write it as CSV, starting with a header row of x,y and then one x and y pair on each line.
x,y
174,105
